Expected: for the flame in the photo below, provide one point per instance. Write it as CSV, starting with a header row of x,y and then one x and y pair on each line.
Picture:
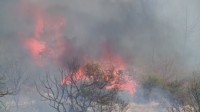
x,y
121,80
47,41
79,75
129,85
113,72
36,48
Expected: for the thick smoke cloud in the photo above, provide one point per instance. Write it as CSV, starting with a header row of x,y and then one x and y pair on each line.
x,y
142,31
137,29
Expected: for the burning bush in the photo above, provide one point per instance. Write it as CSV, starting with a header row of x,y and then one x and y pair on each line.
x,y
85,89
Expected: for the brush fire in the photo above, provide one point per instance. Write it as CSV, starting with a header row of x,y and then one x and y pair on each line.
x,y
47,41
99,56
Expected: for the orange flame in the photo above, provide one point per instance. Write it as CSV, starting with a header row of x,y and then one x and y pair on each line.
x,y
36,48
111,72
47,37
47,41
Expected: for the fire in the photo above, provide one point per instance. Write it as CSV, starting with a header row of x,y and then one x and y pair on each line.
x,y
36,48
128,85
112,72
47,41
77,76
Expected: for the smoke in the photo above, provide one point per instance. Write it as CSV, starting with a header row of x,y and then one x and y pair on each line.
x,y
146,33
136,29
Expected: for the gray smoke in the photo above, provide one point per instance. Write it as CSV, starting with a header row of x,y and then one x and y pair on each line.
x,y
145,32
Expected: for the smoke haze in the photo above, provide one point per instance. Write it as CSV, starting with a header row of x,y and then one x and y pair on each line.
x,y
146,33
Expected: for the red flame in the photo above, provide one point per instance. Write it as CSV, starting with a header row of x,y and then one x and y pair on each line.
x,y
47,41
120,80
36,48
